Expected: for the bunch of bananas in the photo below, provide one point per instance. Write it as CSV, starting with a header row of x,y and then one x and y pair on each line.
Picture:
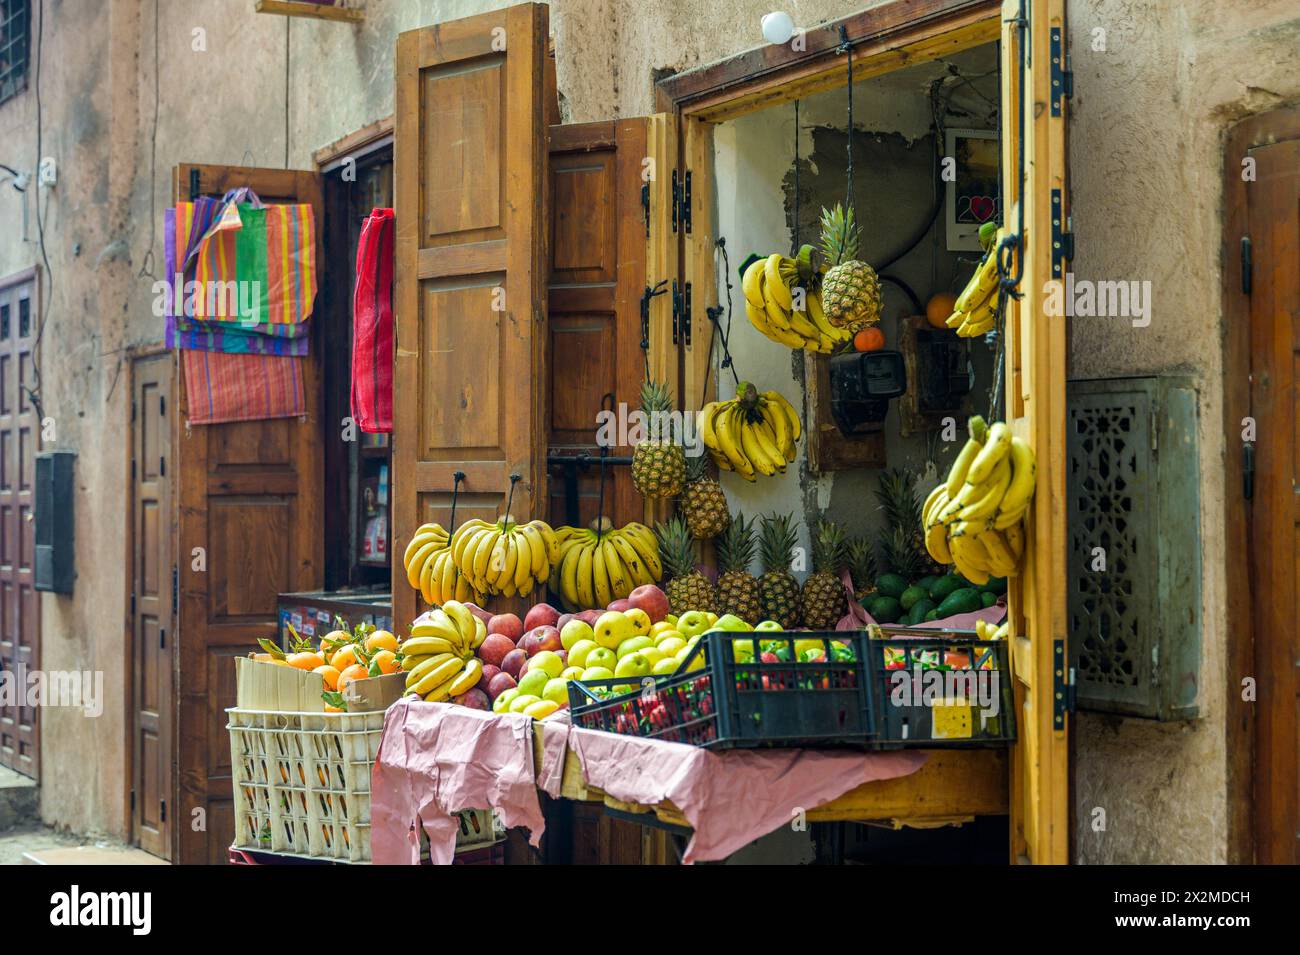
x,y
752,433
438,657
429,568
976,308
974,519
770,286
505,557
604,563
986,631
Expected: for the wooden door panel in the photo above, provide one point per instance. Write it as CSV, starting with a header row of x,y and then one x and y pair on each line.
x,y
249,496
470,156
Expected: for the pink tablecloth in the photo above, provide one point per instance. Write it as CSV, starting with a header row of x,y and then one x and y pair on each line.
x,y
436,759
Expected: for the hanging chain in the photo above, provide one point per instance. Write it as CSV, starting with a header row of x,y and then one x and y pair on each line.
x,y
456,478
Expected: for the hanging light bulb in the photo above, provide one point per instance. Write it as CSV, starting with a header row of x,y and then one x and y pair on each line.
x,y
778,27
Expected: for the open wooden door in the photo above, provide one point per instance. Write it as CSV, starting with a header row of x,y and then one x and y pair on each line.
x,y
470,154
1035,197
248,494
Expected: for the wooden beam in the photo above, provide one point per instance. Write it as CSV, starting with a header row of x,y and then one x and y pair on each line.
x,y
316,11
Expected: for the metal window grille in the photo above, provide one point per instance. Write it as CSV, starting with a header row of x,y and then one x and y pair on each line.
x,y
15,34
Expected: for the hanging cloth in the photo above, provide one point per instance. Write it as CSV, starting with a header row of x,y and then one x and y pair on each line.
x,y
372,325
221,387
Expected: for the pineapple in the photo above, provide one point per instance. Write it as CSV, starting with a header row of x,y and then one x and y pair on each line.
x,y
779,589
850,287
658,463
862,568
904,542
823,594
738,590
703,503
687,588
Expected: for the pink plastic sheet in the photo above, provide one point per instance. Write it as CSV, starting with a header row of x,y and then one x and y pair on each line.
x,y
436,759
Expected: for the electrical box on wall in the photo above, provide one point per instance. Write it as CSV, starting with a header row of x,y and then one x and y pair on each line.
x,y
54,521
1133,520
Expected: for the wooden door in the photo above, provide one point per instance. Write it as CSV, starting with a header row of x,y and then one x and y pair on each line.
x,y
250,528
1273,229
19,442
470,152
1035,409
153,637
605,190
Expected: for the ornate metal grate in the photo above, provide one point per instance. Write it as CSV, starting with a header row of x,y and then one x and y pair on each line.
x,y
1134,558
14,32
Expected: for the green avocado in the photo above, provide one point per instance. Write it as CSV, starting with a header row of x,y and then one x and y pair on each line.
x,y
996,585
890,585
919,610
943,586
932,615
911,595
966,600
885,609
988,598
927,582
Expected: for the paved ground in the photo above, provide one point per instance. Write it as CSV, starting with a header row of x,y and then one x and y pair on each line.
x,y
32,839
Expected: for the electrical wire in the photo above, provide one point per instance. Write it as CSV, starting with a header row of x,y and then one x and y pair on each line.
x,y
146,264
34,394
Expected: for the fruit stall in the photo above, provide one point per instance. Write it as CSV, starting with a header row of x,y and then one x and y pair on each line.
x,y
726,442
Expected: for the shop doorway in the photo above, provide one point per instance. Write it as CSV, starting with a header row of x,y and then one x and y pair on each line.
x,y
1263,168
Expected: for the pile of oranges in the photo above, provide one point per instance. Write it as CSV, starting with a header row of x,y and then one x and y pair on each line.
x,y
341,658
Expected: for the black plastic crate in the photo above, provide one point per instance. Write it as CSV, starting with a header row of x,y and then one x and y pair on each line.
x,y
940,688
734,701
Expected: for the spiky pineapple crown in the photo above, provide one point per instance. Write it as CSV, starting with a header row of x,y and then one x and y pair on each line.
x,y
828,548
897,496
697,467
736,545
656,403
676,546
776,542
862,562
839,235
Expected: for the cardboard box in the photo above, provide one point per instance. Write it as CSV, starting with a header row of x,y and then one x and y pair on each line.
x,y
280,689
376,693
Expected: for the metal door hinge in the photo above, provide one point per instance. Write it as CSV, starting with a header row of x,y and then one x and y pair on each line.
x,y
676,200
162,638
133,606
132,409
133,800
677,312
1062,685
162,467
1247,265
162,810
646,297
162,405
686,208
1062,78
1062,238
176,587
1248,470
645,206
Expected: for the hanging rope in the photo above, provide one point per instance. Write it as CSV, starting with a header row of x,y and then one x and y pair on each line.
x,y
796,177
715,314
456,478
848,176
514,479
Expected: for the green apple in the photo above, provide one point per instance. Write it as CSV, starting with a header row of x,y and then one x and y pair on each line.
x,y
768,625
713,617
578,652
597,673
640,621
556,690
533,682
523,701
732,623
670,645
665,666
633,645
574,631
653,654
612,628
601,657
548,661
634,664
693,623
572,673
504,699
742,649
660,628
671,618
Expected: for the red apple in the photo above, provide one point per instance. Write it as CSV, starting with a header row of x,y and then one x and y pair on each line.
x,y
494,648
590,616
500,683
508,624
476,610
474,698
489,671
514,661
542,615
619,605
523,670
541,638
651,599
564,618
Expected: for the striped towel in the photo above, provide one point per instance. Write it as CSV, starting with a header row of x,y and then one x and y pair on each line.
x,y
221,387
372,325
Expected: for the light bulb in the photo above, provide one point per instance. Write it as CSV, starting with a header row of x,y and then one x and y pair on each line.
x,y
778,27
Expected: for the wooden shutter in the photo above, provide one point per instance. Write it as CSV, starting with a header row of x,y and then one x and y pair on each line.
x,y
470,151
249,494
609,218
1035,408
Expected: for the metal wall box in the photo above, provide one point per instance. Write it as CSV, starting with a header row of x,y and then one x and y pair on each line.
x,y
55,570
1133,491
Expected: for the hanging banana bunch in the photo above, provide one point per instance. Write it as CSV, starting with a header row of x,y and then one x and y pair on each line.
x,y
430,570
976,309
975,518
602,563
774,287
752,433
504,557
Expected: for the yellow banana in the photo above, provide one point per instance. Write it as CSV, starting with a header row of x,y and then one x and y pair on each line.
x,y
539,563
780,425
549,539
427,646
751,283
981,284
630,558
775,285
437,670
980,501
619,585
461,616
996,447
586,592
467,678
409,663
1023,472
1015,538
417,563
796,429
1001,561
646,546
957,473
936,542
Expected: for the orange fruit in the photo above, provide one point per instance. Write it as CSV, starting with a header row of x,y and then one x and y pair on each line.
x,y
381,640
386,660
329,675
263,657
309,660
870,339
939,308
344,657
334,709
355,672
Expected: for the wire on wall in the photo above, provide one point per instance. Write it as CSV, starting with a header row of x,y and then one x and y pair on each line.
x,y
34,393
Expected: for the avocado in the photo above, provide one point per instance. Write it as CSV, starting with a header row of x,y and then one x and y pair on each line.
x,y
885,609
942,587
919,610
932,615
996,585
911,595
890,585
966,600
927,582
988,598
